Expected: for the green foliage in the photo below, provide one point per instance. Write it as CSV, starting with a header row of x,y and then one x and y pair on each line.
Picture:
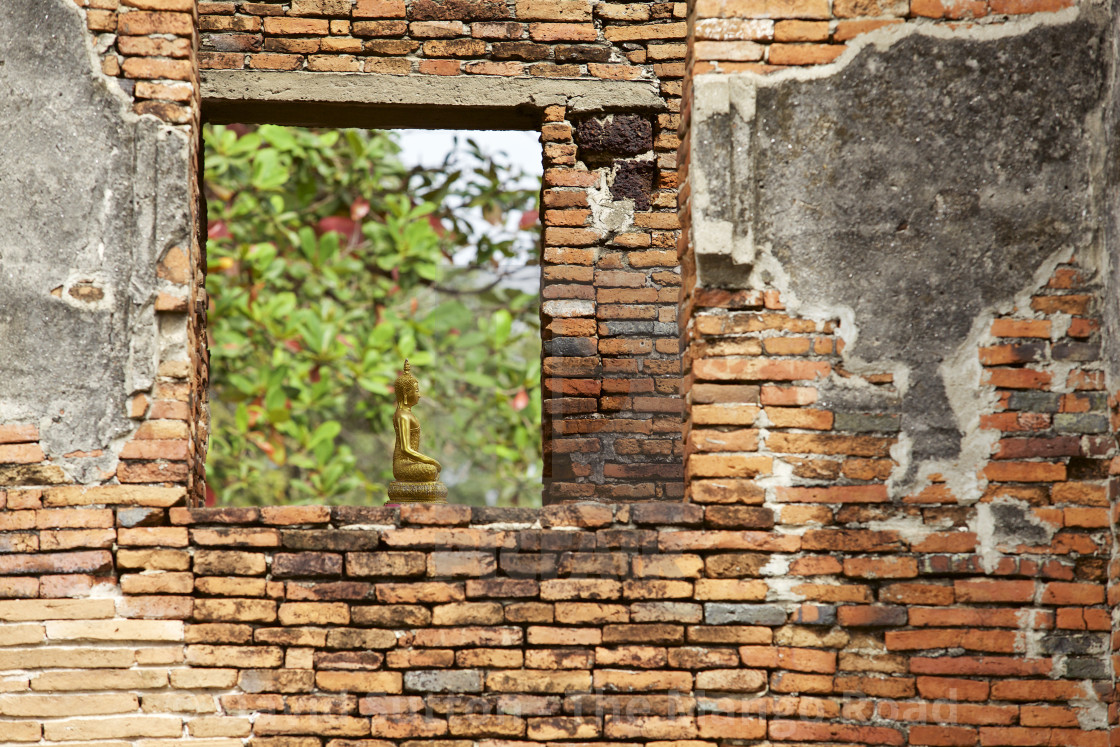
x,y
329,263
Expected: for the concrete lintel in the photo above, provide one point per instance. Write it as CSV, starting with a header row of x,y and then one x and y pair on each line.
x,y
433,102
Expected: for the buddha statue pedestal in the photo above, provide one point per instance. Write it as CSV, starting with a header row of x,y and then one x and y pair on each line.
x,y
417,492
416,474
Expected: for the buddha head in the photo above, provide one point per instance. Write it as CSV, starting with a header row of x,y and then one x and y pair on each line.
x,y
407,387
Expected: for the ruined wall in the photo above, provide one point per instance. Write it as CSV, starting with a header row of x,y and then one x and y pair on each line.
x,y
609,279
97,255
896,290
657,623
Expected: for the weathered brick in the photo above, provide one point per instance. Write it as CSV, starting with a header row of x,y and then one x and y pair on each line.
x,y
544,681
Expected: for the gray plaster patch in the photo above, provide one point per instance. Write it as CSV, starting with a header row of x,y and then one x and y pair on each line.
x,y
910,192
1111,222
90,198
724,613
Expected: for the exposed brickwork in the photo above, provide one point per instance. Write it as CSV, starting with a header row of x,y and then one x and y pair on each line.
x,y
753,367
954,595
151,46
585,622
609,291
768,35
567,39
609,302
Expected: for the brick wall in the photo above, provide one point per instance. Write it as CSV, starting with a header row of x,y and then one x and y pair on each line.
x,y
610,284
609,280
760,430
147,48
583,623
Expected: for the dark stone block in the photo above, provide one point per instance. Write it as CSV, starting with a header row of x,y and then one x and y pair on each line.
x,y
582,53
339,540
686,514
570,347
1083,468
739,517
502,515
1017,525
521,50
629,328
529,564
343,515
735,565
1091,569
348,659
627,539
538,540
634,180
1082,668
457,10
1076,351
231,42
1034,401
1074,643
331,591
1081,422
724,613
1027,352
594,564
615,135
287,565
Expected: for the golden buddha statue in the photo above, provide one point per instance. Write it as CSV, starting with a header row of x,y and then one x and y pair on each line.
x,y
415,474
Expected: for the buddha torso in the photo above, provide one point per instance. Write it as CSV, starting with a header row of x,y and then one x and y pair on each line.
x,y
405,467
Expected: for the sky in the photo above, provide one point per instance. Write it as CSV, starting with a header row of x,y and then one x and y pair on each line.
x,y
428,148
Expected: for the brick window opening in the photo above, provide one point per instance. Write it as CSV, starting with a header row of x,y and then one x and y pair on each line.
x,y
332,255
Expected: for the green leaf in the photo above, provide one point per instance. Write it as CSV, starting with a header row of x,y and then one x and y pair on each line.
x,y
268,172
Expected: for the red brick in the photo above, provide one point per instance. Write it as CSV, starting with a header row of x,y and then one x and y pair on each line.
x,y
809,731
21,453
958,10
952,688
1048,716
942,736
296,26
739,369
984,591
905,567
1033,690
997,666
804,54
18,434
379,9
917,593
1072,594
1025,472
141,23
1017,378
